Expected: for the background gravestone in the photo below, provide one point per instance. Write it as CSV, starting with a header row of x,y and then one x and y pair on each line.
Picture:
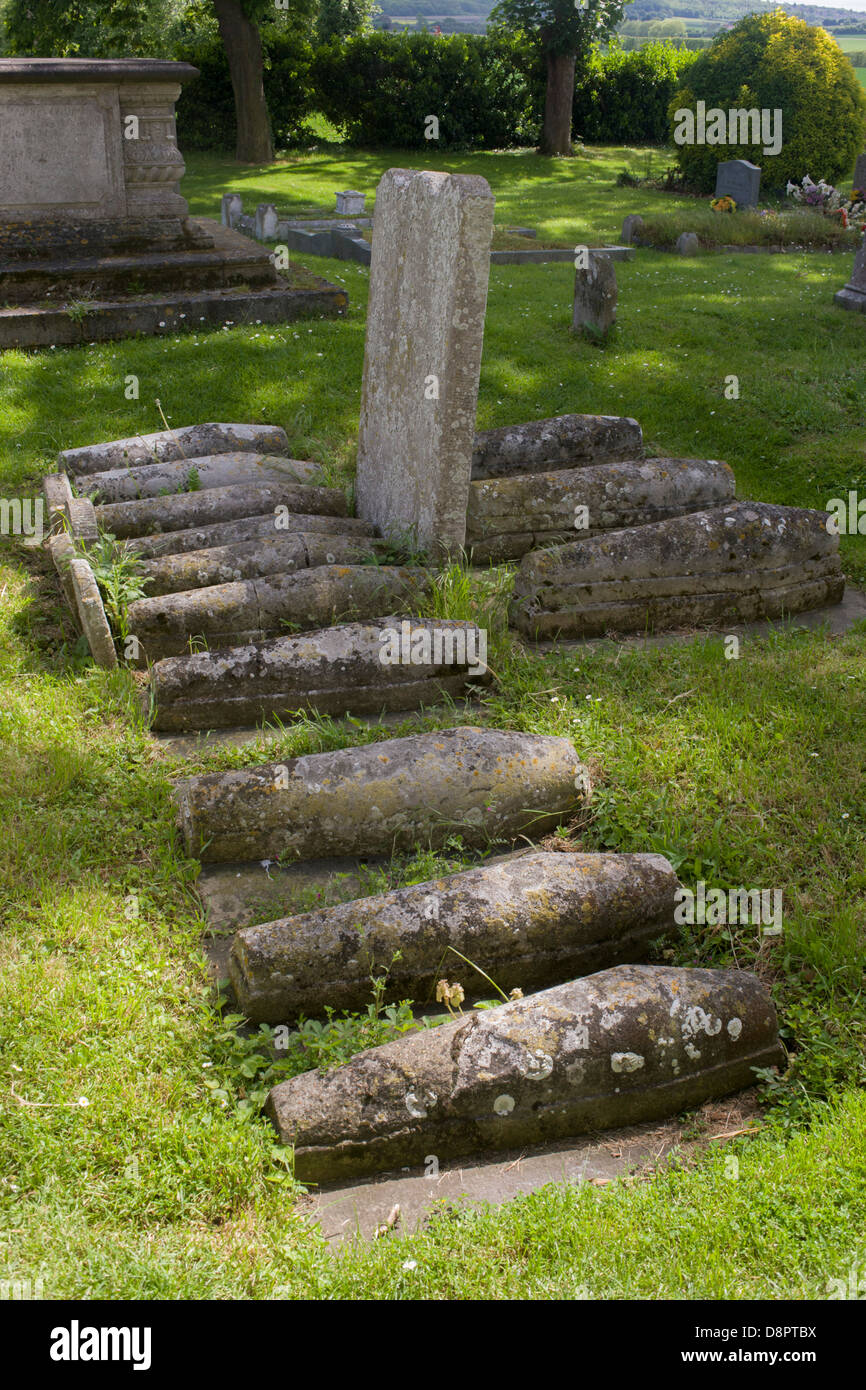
x,y
425,326
632,227
595,296
860,172
853,296
740,180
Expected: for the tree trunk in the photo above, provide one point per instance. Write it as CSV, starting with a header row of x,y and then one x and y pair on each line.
x,y
558,103
243,48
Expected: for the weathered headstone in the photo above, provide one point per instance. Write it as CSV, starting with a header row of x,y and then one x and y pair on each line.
x,y
350,203
632,227
528,922
738,563
595,296
634,1043
482,784
231,208
688,244
853,296
266,222
859,184
92,614
740,180
425,326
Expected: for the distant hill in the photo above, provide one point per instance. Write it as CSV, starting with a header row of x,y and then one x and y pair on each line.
x,y
707,16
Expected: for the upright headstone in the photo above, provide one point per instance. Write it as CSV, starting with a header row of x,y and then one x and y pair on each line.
x,y
859,184
632,227
425,327
595,296
853,296
688,244
266,222
740,180
231,208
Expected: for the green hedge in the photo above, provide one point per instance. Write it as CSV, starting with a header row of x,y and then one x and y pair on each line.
x,y
206,108
623,98
380,89
486,90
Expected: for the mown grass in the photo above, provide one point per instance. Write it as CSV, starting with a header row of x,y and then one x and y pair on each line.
x,y
166,1184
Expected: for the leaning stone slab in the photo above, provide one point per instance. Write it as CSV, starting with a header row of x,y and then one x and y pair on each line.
x,y
57,494
82,520
425,325
187,442
566,441
250,610
190,509
63,552
482,784
600,497
737,563
634,1043
249,528
527,923
277,554
336,670
632,227
94,623
595,296
194,475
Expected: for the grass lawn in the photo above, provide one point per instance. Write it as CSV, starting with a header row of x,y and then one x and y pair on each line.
x,y
134,1163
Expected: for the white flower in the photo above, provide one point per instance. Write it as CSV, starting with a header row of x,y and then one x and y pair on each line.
x,y
410,1264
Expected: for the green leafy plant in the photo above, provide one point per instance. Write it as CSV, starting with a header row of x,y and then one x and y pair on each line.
x,y
117,569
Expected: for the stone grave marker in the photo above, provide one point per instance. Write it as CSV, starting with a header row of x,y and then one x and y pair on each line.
x,y
595,296
632,226
688,244
425,326
266,222
860,172
853,296
350,203
231,207
740,180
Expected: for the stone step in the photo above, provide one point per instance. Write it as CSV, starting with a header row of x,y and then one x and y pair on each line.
x,y
276,554
251,610
49,325
167,446
564,441
335,671
209,471
736,563
527,923
249,528
482,784
637,1042
24,281
183,511
509,516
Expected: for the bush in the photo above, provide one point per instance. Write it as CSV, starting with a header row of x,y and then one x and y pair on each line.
x,y
771,61
381,88
206,108
623,98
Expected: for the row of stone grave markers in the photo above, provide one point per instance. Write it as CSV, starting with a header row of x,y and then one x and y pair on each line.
x,y
603,1040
